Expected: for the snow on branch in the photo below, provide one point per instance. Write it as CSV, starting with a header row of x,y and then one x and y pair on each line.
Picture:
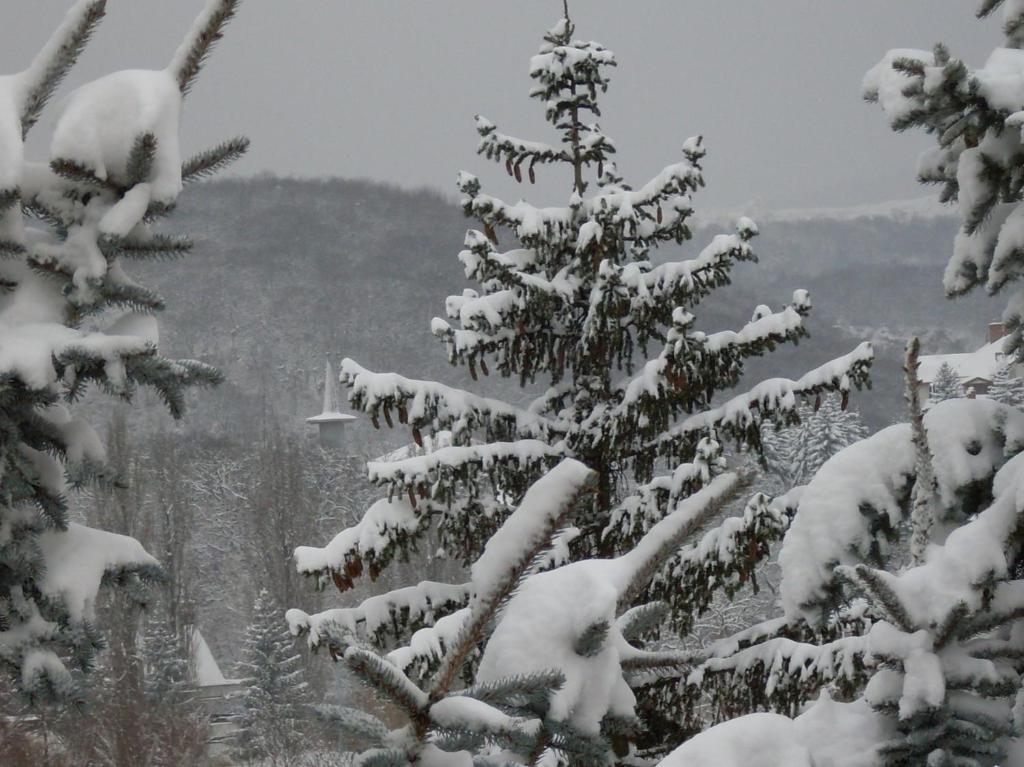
x,y
384,524
725,558
566,619
774,396
379,617
207,29
29,351
671,375
784,671
510,552
691,278
495,145
78,560
430,644
427,403
48,69
631,519
857,500
637,567
444,469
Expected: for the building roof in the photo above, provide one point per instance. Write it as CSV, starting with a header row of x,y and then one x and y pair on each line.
x,y
205,667
330,417
330,412
981,364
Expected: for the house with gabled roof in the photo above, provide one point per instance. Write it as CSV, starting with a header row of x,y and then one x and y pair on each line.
x,y
976,369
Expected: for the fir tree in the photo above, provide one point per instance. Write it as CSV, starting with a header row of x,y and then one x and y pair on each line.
x,y
946,385
165,663
927,653
1007,388
797,452
275,692
973,114
70,317
572,308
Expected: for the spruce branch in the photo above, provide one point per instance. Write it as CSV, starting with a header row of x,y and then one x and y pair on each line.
x,y
382,757
8,198
60,53
389,680
922,514
192,54
665,663
80,173
11,249
986,7
591,641
140,159
530,691
873,583
642,618
354,721
662,540
156,246
211,161
491,597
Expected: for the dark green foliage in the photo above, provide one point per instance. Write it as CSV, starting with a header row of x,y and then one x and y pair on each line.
x,y
201,45
212,161
578,308
67,319
53,72
276,695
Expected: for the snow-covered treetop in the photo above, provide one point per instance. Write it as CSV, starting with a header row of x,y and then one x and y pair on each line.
x,y
975,115
70,316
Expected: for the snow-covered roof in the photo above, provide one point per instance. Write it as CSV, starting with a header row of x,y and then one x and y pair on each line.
x,y
981,364
207,671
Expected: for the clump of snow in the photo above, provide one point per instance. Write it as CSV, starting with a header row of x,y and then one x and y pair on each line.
x,y
827,734
370,536
538,631
886,84
755,740
530,525
1001,80
539,627
77,559
103,119
857,496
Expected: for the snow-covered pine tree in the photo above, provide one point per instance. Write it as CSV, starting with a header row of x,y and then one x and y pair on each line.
x,y
946,385
926,652
164,660
173,723
275,692
1007,387
70,317
571,310
975,115
795,453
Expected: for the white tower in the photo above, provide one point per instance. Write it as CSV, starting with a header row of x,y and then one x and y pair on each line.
x,y
331,420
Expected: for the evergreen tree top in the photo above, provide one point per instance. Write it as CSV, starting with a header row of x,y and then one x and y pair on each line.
x,y
71,317
974,114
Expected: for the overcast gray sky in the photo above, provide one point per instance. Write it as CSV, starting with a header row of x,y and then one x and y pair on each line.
x,y
387,89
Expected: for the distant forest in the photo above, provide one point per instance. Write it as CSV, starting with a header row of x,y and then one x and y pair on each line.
x,y
296,270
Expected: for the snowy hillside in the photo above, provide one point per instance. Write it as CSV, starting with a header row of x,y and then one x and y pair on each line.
x,y
355,249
